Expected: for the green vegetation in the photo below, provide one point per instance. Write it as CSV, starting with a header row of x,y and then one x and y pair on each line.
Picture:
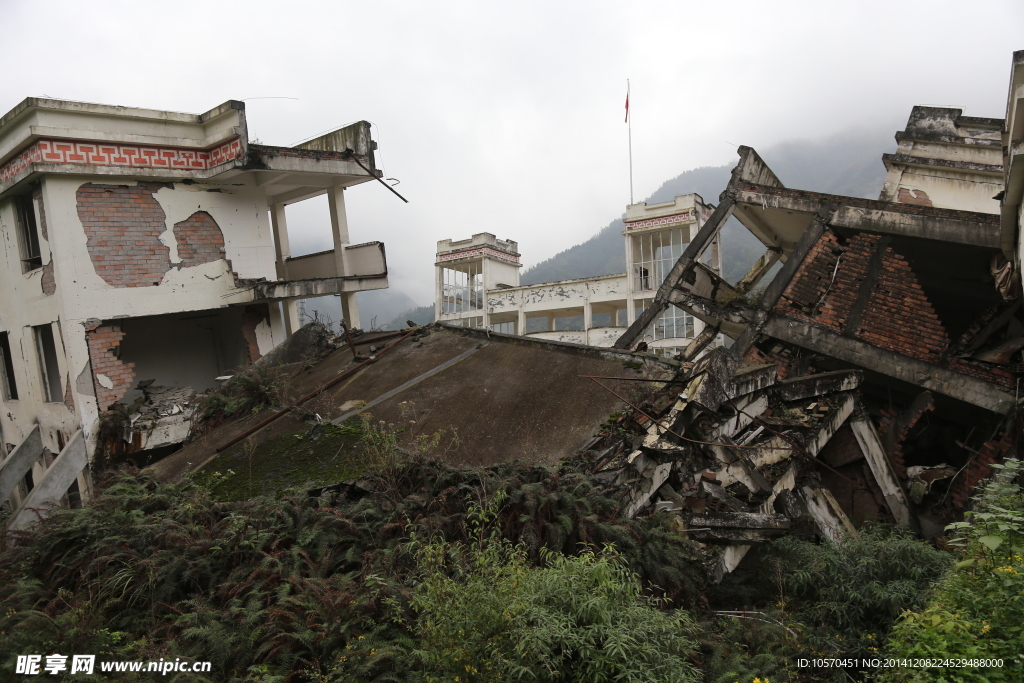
x,y
484,614
291,459
424,572
975,613
256,387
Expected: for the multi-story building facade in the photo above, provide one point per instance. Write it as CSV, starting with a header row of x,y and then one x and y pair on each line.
x,y
477,284
146,253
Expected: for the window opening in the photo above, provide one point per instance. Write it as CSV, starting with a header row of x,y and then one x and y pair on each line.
x,y
7,382
462,288
28,233
49,370
504,328
674,323
654,254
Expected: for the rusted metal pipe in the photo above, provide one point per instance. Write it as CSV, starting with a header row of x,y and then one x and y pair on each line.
x,y
374,175
348,373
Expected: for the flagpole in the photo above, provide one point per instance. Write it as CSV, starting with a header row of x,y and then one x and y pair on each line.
x,y
629,125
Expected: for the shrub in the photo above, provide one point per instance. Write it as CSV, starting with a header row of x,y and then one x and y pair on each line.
x,y
486,615
851,592
977,611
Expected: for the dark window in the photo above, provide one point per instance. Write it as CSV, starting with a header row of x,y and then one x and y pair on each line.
x,y
7,384
28,233
49,371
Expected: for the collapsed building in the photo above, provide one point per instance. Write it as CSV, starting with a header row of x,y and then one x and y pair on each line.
x,y
146,254
477,284
874,377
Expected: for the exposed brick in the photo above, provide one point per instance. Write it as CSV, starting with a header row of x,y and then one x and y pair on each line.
x,y
200,240
103,340
908,196
979,468
842,448
898,317
122,227
251,318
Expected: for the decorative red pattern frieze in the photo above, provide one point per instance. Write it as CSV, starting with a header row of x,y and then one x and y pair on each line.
x,y
480,251
661,220
116,154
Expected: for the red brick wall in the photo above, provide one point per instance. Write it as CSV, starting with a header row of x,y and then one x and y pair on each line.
x,y
251,319
979,469
102,341
122,227
842,448
200,240
899,317
918,197
886,423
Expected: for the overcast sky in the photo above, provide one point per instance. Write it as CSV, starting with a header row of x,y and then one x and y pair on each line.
x,y
507,117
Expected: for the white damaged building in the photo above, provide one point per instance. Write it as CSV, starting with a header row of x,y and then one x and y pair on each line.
x,y
145,253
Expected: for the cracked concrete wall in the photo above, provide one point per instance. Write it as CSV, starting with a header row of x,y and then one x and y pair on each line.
x,y
27,301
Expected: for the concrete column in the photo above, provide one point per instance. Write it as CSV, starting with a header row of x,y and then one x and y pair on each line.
x,y
350,309
551,323
278,333
716,254
279,225
291,316
339,228
588,321
521,323
629,267
630,311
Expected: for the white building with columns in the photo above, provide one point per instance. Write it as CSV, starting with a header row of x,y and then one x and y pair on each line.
x,y
477,284
144,254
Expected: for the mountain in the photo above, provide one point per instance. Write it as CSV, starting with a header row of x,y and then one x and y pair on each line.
x,y
848,164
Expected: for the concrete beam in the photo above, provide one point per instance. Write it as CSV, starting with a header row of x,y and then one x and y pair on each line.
x,y
800,388
54,484
779,283
826,513
757,271
19,462
749,380
302,289
866,215
881,468
683,267
965,388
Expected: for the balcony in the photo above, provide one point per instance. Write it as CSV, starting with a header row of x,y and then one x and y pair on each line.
x,y
361,267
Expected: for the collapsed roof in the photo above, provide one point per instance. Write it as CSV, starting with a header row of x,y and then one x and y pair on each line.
x,y
902,318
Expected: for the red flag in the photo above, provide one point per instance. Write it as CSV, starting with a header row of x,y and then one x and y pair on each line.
x,y
627,107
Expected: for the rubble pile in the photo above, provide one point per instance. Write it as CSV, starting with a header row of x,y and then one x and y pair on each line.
x,y
735,454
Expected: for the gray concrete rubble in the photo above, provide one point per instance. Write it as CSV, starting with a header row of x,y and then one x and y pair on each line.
x,y
737,456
